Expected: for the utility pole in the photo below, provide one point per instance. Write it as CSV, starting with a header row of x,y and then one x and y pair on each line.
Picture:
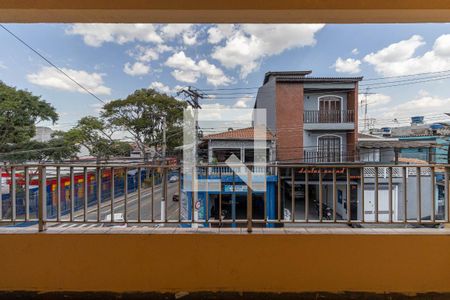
x,y
164,169
364,107
192,96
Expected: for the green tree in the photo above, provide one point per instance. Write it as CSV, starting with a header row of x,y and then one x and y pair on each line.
x,y
141,114
58,149
97,136
20,111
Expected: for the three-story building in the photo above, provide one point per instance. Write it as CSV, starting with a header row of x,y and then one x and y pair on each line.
x,y
314,119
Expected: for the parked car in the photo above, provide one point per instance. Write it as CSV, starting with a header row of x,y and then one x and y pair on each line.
x,y
119,221
173,178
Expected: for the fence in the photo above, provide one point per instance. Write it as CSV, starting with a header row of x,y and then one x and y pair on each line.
x,y
297,194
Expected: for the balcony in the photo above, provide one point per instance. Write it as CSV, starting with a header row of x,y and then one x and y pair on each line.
x,y
329,119
319,156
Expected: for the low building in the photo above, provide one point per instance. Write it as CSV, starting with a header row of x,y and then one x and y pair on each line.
x,y
240,142
376,149
43,134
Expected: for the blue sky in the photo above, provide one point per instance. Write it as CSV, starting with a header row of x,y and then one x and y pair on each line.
x,y
114,60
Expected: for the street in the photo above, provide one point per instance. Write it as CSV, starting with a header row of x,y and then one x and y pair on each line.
x,y
133,205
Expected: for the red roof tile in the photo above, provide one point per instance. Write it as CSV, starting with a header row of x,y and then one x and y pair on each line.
x,y
237,134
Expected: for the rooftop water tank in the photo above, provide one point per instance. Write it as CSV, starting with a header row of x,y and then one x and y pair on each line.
x,y
436,126
417,120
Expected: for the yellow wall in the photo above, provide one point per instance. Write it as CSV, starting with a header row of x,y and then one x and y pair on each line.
x,y
218,262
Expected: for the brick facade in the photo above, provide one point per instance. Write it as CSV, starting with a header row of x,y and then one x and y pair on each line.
x,y
289,121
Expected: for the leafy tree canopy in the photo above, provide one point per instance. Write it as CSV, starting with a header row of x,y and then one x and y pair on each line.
x,y
97,136
20,111
141,114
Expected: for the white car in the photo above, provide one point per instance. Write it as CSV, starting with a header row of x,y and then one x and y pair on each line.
x,y
173,178
119,221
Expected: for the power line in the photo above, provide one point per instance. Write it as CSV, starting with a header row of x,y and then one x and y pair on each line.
x,y
51,64
403,76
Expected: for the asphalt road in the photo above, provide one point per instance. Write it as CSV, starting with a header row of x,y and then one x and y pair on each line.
x,y
133,205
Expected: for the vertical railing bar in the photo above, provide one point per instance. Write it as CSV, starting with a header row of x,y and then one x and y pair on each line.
x,y
306,195
220,198
42,200
179,195
112,195
13,194
267,171
249,202
363,215
99,192
58,194
1,196
125,195
193,194
320,195
419,195
349,199
86,191
447,193
279,193
293,194
153,195
72,194
433,195
334,195
376,194
405,192
139,195
207,196
27,193
166,194
391,210
233,202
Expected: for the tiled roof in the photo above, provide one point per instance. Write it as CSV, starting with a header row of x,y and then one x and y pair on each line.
x,y
317,79
285,73
412,160
237,134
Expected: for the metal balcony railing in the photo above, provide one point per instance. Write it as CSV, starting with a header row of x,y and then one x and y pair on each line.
x,y
327,156
176,195
328,116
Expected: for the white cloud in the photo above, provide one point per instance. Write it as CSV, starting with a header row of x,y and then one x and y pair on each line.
x,y
96,34
2,65
52,78
348,65
355,51
248,44
162,88
217,33
190,38
375,100
172,30
136,69
220,115
144,54
97,107
398,58
187,31
243,102
188,70
186,75
424,104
